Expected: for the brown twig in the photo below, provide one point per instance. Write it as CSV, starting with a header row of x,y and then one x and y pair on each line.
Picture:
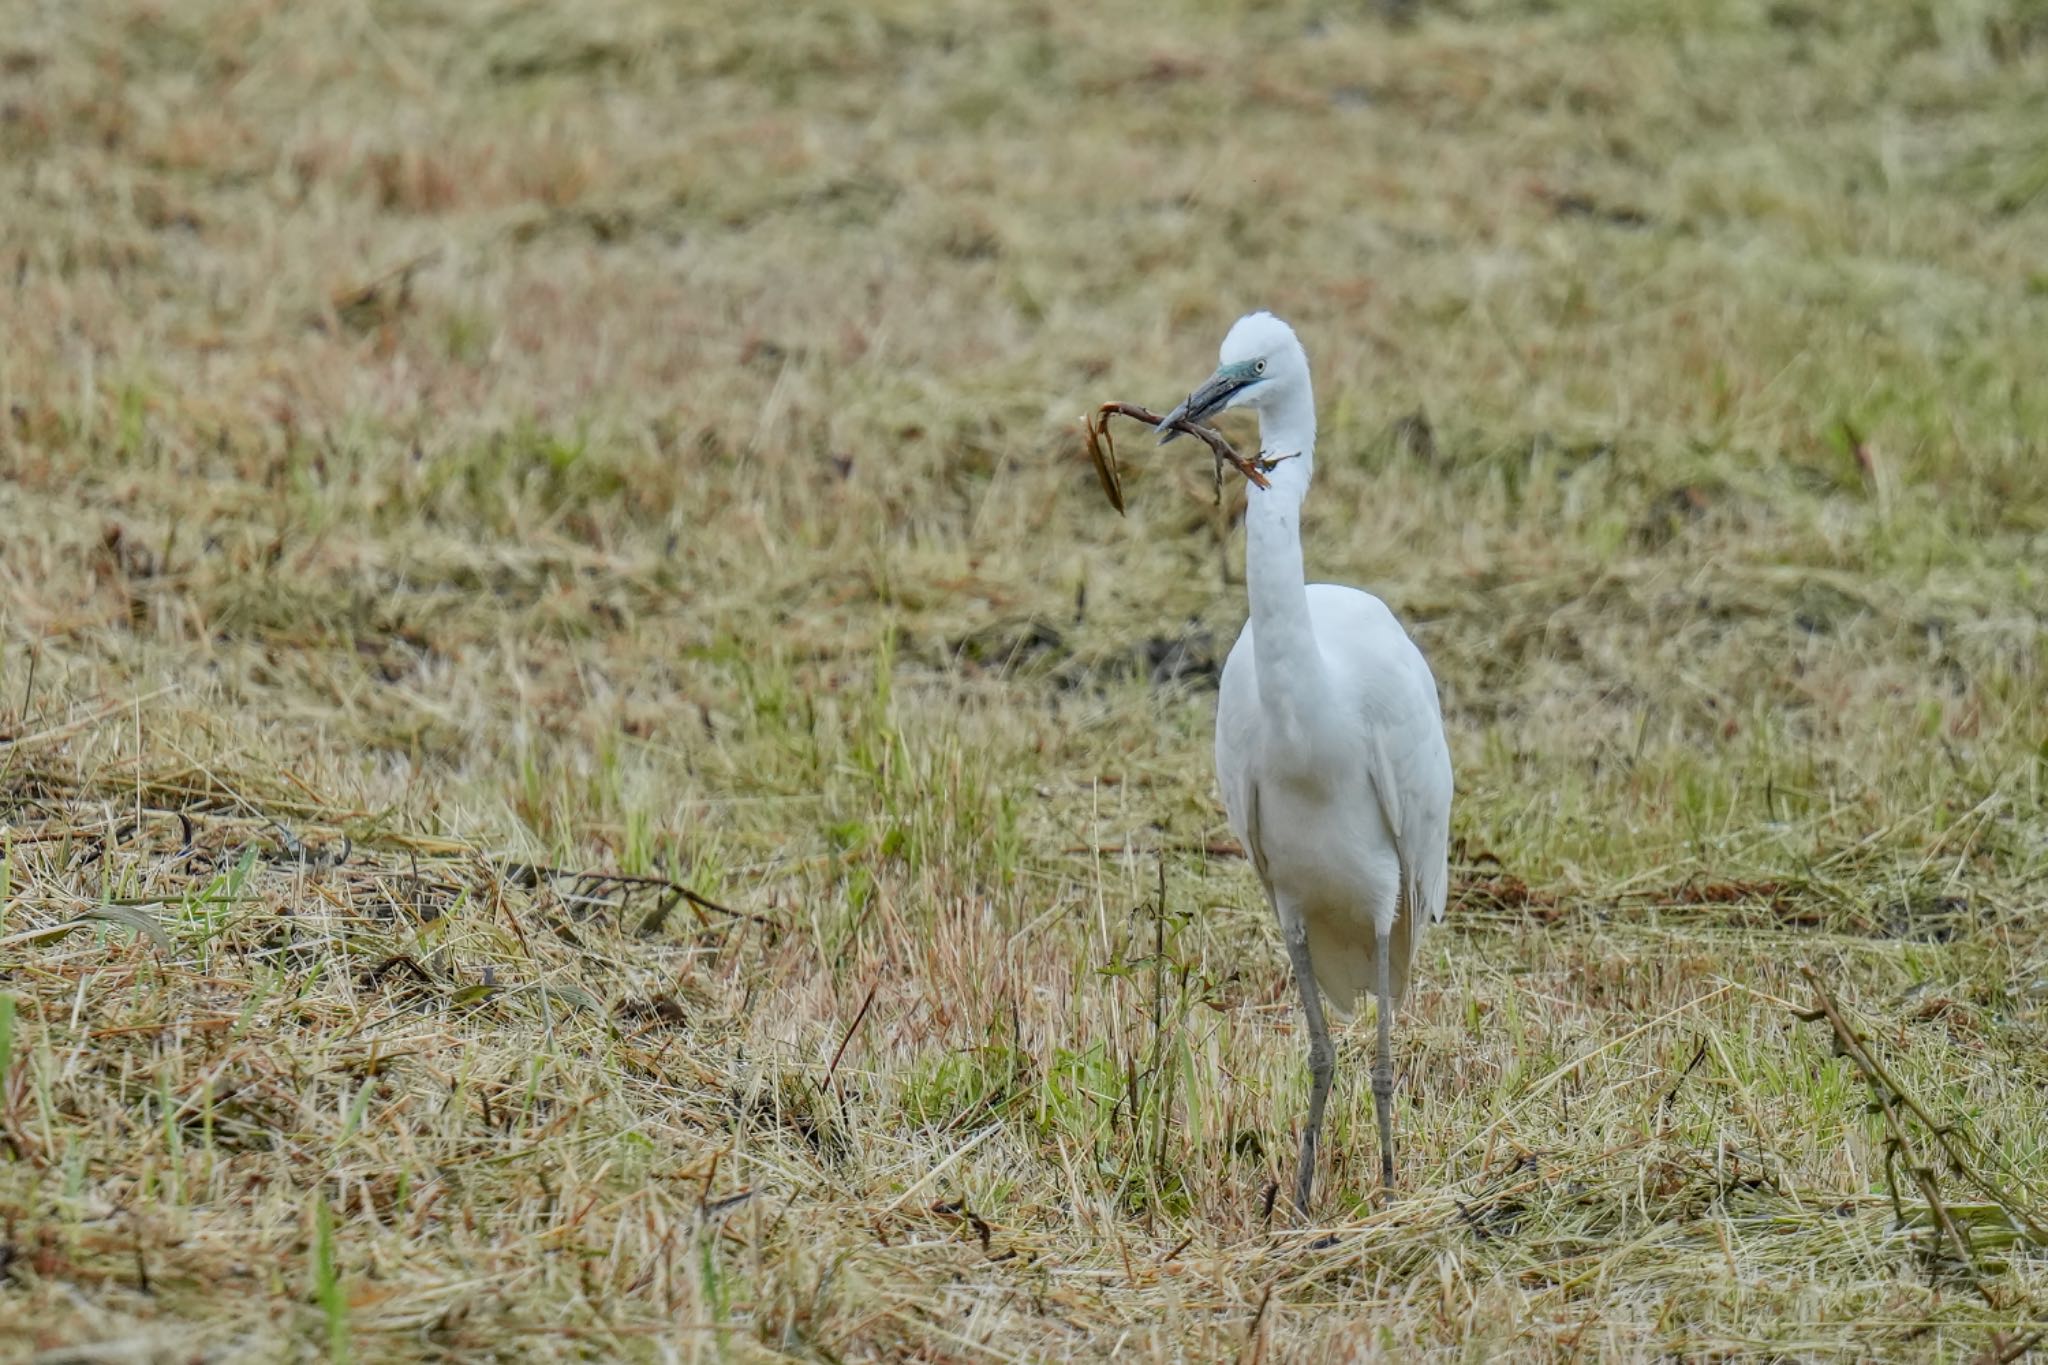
x,y
2003,1350
1254,1349
1944,1134
847,1037
1102,449
1849,1042
1890,1098
531,874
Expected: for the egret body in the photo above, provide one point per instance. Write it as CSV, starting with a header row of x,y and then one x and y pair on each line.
x,y
1329,743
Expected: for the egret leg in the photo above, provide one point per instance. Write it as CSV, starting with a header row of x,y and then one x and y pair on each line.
x,y
1383,1064
1322,1058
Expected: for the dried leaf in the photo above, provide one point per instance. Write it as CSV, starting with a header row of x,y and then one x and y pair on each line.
x,y
572,996
1102,450
131,917
127,916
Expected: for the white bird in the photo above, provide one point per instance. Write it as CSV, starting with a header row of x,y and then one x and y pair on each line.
x,y
1329,742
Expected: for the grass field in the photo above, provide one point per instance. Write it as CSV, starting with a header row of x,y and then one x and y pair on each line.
x,y
454,448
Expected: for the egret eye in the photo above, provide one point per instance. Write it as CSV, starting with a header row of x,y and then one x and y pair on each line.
x,y
1258,367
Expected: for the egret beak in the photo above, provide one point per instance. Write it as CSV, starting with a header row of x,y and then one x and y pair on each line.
x,y
1214,395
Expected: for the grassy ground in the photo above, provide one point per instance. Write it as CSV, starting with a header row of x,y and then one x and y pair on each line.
x,y
451,448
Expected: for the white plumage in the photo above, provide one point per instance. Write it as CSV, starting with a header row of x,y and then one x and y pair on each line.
x,y
1329,741
1352,812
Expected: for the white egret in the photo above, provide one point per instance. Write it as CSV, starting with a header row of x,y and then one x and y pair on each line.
x,y
1329,742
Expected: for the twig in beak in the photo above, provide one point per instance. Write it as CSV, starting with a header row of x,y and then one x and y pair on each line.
x,y
1102,449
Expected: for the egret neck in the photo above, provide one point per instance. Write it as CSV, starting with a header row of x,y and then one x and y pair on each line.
x,y
1292,680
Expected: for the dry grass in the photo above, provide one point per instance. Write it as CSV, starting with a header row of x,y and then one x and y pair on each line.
x,y
647,443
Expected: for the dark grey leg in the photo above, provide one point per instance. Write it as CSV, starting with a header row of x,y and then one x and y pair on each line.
x,y
1322,1058
1383,1065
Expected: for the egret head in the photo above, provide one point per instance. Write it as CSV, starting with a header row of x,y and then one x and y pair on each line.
x,y
1261,364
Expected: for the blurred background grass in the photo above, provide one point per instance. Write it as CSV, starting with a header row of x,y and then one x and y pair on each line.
x,y
643,437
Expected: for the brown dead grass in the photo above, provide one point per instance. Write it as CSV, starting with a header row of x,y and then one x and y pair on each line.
x,y
448,441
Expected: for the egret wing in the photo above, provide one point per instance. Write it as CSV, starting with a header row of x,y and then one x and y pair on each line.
x,y
1411,776
1236,736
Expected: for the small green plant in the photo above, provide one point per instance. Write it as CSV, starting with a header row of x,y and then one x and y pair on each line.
x,y
327,1288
